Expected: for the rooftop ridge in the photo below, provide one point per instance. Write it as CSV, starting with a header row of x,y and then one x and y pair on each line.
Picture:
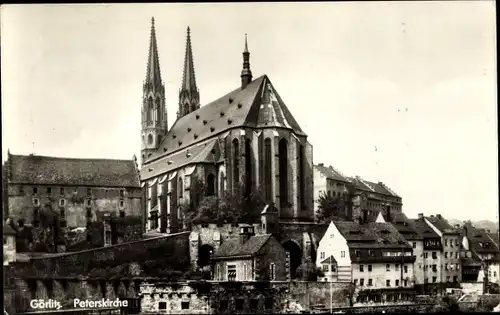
x,y
71,158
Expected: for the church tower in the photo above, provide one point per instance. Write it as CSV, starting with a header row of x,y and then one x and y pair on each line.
x,y
154,114
189,96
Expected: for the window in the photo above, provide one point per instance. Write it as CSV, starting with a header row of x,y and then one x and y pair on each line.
x,y
36,202
370,282
434,255
61,191
426,280
406,269
342,254
355,281
331,235
268,169
397,267
369,267
397,282
283,172
325,268
21,190
426,255
371,253
445,242
457,242
448,278
122,193
405,283
361,268
334,268
89,213
62,202
184,305
434,268
322,255
445,266
89,202
236,160
272,269
456,255
434,279
445,254
231,272
62,213
414,244
210,185
89,191
455,278
387,283
122,203
162,305
49,190
122,214
387,267
357,253
361,282
35,190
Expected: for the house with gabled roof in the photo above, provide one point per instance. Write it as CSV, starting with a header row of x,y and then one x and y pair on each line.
x,y
373,256
245,141
250,257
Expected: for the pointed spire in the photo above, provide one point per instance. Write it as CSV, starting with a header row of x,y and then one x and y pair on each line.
x,y
153,75
188,77
246,73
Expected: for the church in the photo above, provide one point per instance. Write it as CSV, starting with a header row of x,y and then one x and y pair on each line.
x,y
247,138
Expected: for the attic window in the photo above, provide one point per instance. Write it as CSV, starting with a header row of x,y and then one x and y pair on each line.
x,y
164,149
221,114
204,122
212,129
180,142
197,116
239,105
149,154
229,121
169,162
212,151
188,154
230,100
195,136
150,169
174,136
189,129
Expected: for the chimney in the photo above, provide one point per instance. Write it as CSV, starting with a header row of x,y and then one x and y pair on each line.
x,y
321,164
246,232
420,216
439,216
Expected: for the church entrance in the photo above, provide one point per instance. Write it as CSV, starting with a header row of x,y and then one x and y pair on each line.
x,y
295,256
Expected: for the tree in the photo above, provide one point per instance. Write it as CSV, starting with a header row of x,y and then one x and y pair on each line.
x,y
331,208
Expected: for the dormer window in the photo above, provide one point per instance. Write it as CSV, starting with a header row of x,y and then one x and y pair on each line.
x,y
230,100
36,202
197,116
189,129
239,105
174,136
221,114
195,136
229,121
204,122
164,149
180,143
212,129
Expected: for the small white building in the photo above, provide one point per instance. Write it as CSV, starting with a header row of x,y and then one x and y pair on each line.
x,y
9,245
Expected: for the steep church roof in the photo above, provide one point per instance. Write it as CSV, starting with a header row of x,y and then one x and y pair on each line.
x,y
258,105
45,170
232,247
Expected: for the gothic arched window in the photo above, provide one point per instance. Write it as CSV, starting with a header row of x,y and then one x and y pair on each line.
x,y
150,109
180,193
159,139
268,178
186,109
150,139
283,162
248,167
210,185
193,107
236,160
157,111
301,176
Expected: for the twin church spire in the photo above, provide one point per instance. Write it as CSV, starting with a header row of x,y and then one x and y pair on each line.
x,y
154,113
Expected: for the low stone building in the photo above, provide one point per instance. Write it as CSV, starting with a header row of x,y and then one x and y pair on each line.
x,y
250,257
166,298
70,193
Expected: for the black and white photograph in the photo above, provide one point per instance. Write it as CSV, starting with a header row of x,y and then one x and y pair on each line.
x,y
250,158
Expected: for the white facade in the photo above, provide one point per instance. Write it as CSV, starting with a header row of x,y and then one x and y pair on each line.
x,y
334,244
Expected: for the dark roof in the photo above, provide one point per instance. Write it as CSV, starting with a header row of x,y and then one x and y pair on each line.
x,y
331,173
258,105
375,235
8,230
424,229
442,224
45,170
479,241
405,227
233,248
364,185
329,260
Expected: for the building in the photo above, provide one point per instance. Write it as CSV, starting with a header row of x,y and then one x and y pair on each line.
x,y
373,256
409,231
9,245
244,142
328,181
431,260
165,298
250,257
481,251
452,241
372,198
75,192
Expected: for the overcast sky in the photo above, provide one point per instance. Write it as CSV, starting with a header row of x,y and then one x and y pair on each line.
x,y
403,93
